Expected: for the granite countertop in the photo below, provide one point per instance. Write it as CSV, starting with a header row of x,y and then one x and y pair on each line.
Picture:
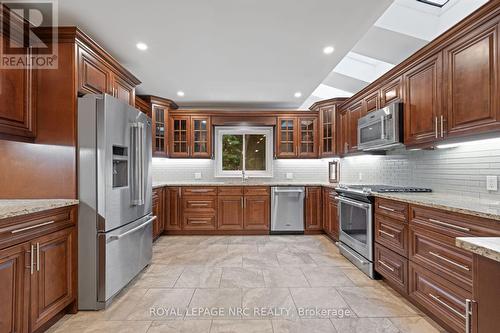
x,y
488,247
248,183
11,208
465,205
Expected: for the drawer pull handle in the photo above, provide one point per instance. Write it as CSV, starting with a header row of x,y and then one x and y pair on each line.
x,y
31,227
199,204
437,299
386,266
199,191
444,224
198,222
386,208
386,233
449,261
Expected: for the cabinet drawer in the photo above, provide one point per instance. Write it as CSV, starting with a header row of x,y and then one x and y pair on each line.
x,y
441,298
393,267
22,228
199,191
230,190
391,233
199,205
256,190
438,253
452,224
198,222
394,209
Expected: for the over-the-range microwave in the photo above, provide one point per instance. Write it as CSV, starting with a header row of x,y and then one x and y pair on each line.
x,y
381,129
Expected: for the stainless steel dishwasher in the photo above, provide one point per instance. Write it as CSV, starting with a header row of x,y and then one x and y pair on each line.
x,y
287,209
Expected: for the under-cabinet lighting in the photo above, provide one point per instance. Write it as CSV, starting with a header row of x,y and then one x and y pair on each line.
x,y
141,46
328,50
494,141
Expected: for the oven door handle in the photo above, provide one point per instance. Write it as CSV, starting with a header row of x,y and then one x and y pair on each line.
x,y
354,203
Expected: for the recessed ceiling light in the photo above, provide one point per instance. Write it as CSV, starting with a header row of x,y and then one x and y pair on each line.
x,y
298,94
328,50
141,46
180,93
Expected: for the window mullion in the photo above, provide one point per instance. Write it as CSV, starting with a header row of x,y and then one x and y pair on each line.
x,y
243,153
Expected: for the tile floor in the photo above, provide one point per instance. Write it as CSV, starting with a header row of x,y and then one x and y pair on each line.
x,y
241,284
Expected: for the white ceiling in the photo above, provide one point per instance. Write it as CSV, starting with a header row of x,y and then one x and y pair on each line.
x,y
405,27
226,52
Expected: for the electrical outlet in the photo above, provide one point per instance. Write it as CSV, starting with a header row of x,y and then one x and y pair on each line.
x,y
360,176
492,183
289,175
197,175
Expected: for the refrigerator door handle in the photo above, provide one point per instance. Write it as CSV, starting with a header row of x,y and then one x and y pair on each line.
x,y
134,229
137,143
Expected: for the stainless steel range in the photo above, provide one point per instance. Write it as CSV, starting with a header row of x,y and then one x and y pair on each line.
x,y
356,221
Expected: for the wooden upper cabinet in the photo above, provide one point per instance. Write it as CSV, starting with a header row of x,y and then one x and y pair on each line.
x,y
14,277
423,87
328,133
94,77
201,138
286,145
159,119
98,73
313,207
190,136
343,135
391,92
354,112
179,136
17,103
371,103
142,106
308,137
123,90
297,137
53,281
471,79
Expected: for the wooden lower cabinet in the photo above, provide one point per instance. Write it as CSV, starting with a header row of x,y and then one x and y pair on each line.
x,y
443,300
230,212
393,234
256,212
14,291
158,211
393,267
313,211
485,306
172,207
330,214
53,283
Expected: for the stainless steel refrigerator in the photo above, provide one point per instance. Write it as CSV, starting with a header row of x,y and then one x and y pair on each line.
x,y
114,182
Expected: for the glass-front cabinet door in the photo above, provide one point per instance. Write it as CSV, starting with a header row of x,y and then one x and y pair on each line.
x,y
328,142
159,131
179,136
308,144
200,140
286,138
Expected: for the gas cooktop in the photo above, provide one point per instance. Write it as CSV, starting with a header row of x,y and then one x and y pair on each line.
x,y
383,189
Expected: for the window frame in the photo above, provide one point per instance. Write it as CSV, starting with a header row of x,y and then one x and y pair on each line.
x,y
268,132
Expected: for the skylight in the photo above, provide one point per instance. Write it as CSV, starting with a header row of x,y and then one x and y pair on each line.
x,y
437,3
